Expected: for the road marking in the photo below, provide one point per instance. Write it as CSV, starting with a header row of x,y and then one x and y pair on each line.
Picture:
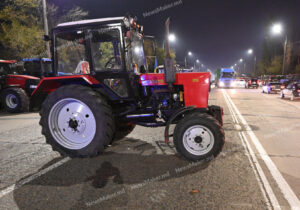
x,y
258,172
282,184
32,177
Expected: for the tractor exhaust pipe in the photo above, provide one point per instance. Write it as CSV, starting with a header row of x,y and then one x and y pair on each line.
x,y
169,62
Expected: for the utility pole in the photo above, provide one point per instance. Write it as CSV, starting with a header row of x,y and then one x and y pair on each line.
x,y
255,65
46,27
284,54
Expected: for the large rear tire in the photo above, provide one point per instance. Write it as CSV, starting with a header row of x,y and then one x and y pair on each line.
x,y
15,100
199,136
77,121
123,129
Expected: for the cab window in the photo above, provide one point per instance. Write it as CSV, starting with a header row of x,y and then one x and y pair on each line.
x,y
71,53
106,49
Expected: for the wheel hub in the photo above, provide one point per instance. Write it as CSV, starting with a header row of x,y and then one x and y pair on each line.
x,y
198,140
11,101
72,123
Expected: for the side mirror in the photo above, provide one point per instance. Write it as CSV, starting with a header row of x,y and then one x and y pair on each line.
x,y
46,38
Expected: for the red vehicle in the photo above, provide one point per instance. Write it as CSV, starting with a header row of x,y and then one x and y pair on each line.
x,y
87,109
15,90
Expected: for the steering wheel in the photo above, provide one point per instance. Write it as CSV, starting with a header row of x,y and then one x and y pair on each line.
x,y
111,63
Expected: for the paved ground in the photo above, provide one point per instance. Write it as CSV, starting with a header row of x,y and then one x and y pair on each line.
x,y
141,172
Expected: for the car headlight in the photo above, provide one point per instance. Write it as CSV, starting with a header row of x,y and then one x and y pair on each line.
x,y
232,84
221,84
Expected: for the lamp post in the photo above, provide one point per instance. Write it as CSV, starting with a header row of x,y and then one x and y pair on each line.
x,y
197,61
185,58
277,29
250,52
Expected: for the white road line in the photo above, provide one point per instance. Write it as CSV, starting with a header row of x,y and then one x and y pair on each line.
x,y
32,177
258,172
282,184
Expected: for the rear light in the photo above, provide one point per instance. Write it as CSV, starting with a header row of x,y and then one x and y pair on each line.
x,y
298,91
272,86
282,86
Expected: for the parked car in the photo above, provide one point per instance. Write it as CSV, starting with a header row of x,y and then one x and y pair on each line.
x,y
292,91
252,83
271,87
239,83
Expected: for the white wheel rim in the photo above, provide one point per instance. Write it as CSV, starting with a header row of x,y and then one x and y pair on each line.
x,y
72,123
11,101
198,140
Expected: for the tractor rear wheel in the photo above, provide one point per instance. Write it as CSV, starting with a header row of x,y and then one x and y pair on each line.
x,y
77,121
123,129
198,136
15,100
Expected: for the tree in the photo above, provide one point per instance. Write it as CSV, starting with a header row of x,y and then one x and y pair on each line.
x,y
297,69
161,55
20,29
276,65
54,17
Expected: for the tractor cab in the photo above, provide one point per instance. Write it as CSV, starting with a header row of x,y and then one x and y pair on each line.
x,y
110,49
6,67
37,67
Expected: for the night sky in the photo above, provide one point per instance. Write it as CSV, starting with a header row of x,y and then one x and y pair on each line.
x,y
218,32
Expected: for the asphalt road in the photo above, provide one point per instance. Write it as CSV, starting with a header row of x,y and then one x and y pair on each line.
x,y
257,169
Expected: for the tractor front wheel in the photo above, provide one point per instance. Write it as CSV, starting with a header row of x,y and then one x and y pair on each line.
x,y
77,121
198,136
15,100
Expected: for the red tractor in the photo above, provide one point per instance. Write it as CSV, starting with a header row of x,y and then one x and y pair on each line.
x,y
15,89
106,91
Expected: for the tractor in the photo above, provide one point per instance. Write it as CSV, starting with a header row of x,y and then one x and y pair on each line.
x,y
106,91
37,67
15,89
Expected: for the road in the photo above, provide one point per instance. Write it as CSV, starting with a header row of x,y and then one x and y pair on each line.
x,y
257,169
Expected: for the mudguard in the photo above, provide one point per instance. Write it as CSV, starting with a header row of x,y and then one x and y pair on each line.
x,y
50,84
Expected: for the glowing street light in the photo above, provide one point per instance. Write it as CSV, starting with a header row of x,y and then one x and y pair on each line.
x,y
241,60
277,29
172,38
250,51
190,53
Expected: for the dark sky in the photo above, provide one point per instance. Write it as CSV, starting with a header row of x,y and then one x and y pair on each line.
x,y
218,32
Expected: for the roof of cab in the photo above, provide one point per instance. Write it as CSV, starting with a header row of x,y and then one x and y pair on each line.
x,y
91,21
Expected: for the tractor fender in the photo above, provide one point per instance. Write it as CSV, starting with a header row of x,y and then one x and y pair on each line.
x,y
49,84
173,117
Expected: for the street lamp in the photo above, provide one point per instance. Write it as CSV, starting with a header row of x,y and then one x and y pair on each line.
x,y
197,61
172,38
250,52
277,29
241,60
185,59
